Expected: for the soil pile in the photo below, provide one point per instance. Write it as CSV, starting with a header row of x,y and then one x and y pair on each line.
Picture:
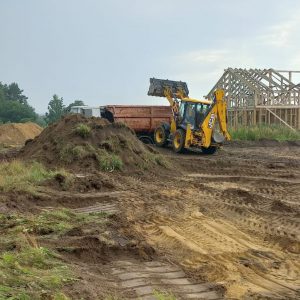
x,y
87,144
15,134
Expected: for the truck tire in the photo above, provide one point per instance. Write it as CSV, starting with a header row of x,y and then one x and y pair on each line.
x,y
178,141
146,139
161,135
209,150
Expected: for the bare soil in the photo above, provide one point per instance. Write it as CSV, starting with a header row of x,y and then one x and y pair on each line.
x,y
16,134
209,227
61,145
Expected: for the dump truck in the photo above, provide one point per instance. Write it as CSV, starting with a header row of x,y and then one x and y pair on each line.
x,y
193,122
143,119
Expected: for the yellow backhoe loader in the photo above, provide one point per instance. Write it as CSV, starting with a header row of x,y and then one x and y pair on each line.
x,y
193,124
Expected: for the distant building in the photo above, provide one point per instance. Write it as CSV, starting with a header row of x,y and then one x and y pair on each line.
x,y
87,111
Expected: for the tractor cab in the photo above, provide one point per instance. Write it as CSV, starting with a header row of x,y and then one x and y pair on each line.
x,y
192,113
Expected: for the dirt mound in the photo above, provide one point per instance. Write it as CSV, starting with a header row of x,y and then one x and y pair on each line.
x,y
15,134
88,144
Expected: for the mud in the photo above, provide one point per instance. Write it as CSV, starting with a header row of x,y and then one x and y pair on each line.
x,y
212,227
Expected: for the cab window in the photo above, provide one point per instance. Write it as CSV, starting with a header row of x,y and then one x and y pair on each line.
x,y
181,111
202,110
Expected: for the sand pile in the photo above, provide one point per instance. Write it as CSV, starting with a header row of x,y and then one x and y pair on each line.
x,y
87,144
15,134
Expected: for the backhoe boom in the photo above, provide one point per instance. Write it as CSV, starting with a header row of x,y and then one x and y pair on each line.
x,y
193,122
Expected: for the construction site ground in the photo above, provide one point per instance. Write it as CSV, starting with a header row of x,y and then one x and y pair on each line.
x,y
223,226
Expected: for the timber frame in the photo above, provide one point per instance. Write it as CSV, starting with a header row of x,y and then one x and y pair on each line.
x,y
257,96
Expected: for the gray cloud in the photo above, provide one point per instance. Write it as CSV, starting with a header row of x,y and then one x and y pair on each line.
x,y
105,51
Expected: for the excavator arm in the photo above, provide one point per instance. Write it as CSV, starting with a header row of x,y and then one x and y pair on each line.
x,y
174,90
218,112
174,106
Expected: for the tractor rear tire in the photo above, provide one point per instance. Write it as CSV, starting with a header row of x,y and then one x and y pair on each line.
x,y
178,141
161,135
210,150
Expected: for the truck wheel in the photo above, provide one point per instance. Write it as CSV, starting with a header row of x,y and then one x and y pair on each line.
x,y
179,141
146,139
161,135
209,150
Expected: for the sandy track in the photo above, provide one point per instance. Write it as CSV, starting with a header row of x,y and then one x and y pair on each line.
x,y
235,222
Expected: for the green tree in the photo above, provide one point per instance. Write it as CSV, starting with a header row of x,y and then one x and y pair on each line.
x,y
13,105
41,120
75,103
14,111
12,92
2,94
56,109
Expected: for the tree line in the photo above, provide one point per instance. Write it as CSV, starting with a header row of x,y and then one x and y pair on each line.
x,y
14,107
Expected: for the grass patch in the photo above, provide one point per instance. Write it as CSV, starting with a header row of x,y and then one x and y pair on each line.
x,y
83,130
159,295
69,153
152,158
272,132
55,222
113,144
21,176
108,161
28,271
63,220
32,273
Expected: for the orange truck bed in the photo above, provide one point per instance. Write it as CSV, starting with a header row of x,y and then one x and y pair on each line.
x,y
143,119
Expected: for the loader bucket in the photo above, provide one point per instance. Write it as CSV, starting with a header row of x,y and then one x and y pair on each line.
x,y
157,87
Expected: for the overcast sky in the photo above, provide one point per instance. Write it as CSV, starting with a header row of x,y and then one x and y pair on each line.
x,y
105,51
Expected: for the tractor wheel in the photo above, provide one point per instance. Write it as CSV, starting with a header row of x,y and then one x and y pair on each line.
x,y
179,141
161,135
209,150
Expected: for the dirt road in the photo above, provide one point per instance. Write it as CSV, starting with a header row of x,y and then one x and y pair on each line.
x,y
211,227
231,219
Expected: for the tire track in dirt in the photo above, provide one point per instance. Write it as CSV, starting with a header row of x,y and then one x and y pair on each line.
x,y
235,221
210,225
141,279
145,277
250,207
254,218
109,208
234,226
198,241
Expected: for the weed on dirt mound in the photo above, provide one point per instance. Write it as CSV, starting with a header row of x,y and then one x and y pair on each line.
x,y
87,144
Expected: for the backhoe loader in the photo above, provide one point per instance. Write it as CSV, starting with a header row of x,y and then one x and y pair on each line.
x,y
193,122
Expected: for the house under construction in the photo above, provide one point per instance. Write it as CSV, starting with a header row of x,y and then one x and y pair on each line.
x,y
261,97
